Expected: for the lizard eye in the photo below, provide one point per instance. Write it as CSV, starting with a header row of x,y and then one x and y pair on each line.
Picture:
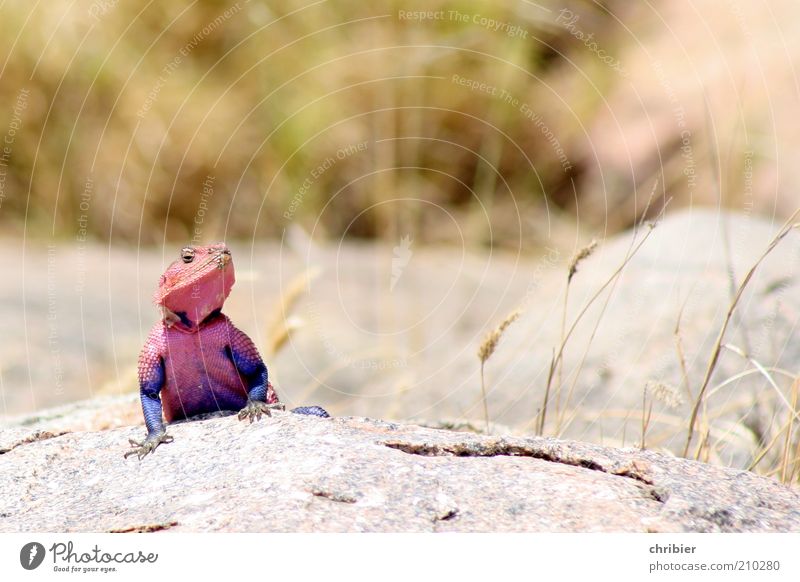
x,y
187,254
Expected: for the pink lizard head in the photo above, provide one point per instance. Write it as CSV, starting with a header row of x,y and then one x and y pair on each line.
x,y
195,285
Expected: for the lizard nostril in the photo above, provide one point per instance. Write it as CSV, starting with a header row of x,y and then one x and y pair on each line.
x,y
223,259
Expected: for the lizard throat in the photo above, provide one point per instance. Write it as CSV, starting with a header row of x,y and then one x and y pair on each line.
x,y
181,321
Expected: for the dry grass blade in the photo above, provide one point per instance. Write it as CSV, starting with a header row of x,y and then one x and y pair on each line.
x,y
768,447
645,417
795,462
489,344
580,256
712,363
557,360
745,373
280,324
485,351
787,445
716,163
612,281
679,349
763,371
668,395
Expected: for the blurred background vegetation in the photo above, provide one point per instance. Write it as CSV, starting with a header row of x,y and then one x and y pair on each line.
x,y
438,129
121,114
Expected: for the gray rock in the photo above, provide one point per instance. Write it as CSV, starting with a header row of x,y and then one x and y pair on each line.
x,y
293,473
625,341
628,339
405,348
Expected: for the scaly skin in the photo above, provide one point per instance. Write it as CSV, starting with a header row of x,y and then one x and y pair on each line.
x,y
195,360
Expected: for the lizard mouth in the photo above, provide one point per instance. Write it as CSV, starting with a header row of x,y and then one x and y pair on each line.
x,y
222,258
204,262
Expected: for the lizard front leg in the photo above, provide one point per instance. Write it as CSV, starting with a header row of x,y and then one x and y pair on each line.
x,y
261,398
151,381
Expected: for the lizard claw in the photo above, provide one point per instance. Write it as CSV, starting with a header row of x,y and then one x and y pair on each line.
x,y
148,445
255,409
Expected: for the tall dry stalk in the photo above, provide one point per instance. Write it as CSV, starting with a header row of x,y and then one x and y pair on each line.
x,y
559,355
679,349
485,351
716,171
280,325
712,363
612,281
645,417
787,445
576,260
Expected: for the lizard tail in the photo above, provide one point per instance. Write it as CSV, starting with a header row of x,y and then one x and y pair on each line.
x,y
312,411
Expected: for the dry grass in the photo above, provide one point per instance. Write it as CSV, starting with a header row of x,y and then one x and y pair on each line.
x,y
579,257
485,351
266,96
680,351
583,254
647,413
786,473
559,354
281,324
556,361
715,353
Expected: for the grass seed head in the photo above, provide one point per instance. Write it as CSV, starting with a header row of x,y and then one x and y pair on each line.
x,y
493,337
664,393
582,254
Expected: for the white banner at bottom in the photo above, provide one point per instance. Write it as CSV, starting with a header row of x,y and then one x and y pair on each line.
x,y
386,557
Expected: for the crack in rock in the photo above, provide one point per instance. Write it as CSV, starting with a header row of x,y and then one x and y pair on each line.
x,y
39,435
636,469
334,496
146,528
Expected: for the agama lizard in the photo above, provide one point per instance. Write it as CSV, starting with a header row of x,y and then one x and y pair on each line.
x,y
195,360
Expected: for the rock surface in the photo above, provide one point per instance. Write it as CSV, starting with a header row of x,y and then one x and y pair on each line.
x,y
365,343
292,473
628,339
625,340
